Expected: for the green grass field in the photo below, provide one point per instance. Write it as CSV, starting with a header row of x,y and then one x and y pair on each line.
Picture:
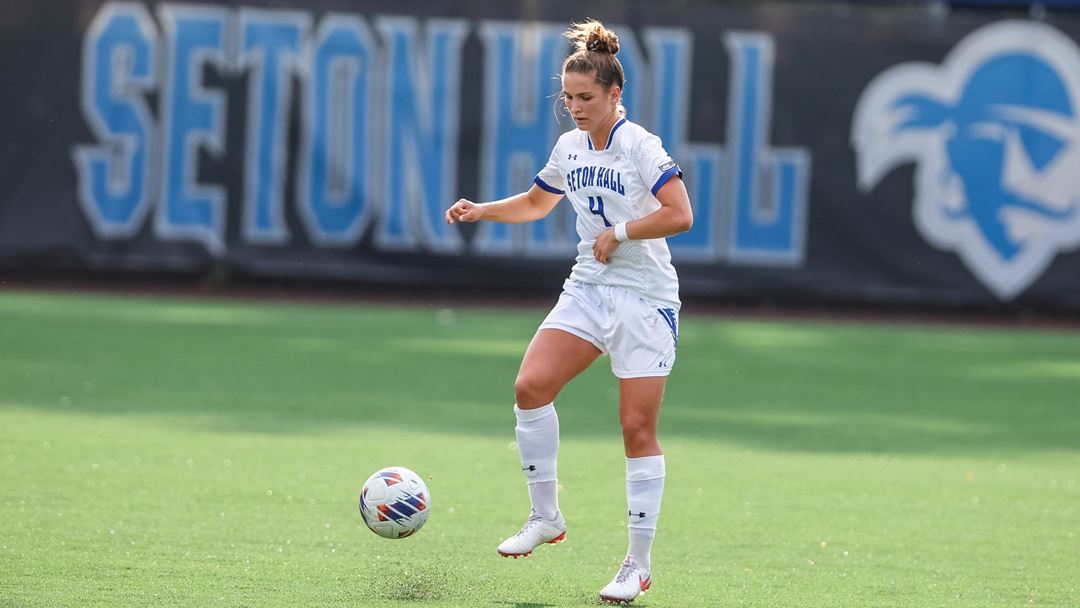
x,y
158,452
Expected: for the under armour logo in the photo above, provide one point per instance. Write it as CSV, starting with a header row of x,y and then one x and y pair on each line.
x,y
663,364
531,467
571,156
632,514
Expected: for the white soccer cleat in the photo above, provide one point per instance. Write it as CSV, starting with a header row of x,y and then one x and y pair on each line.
x,y
534,533
630,582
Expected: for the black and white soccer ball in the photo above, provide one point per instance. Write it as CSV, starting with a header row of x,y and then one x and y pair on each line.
x,y
395,502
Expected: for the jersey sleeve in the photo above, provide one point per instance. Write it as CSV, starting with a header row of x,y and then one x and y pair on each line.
x,y
654,164
550,178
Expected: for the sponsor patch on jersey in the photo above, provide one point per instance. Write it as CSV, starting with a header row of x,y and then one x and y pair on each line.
x,y
668,165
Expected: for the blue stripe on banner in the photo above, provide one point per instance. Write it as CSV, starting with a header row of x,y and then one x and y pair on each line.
x,y
673,323
665,176
545,186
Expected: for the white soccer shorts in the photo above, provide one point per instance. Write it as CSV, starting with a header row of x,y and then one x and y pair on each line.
x,y
640,336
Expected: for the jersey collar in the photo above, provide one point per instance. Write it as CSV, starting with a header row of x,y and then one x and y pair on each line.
x,y
611,134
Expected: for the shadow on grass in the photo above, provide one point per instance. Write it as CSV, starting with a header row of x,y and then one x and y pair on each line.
x,y
779,386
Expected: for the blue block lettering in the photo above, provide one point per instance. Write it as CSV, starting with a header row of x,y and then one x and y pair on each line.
x,y
672,53
768,199
520,128
193,119
336,175
635,96
421,128
118,68
269,49
703,164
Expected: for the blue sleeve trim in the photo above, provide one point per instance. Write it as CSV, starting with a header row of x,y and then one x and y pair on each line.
x,y
665,176
544,185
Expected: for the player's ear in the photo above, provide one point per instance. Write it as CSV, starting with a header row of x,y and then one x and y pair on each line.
x,y
616,93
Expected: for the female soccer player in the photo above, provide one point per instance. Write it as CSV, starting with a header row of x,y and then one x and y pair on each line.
x,y
622,296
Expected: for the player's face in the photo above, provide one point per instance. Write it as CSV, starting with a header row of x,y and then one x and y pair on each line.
x,y
591,107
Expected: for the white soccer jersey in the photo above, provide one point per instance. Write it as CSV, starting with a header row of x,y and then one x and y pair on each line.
x,y
616,184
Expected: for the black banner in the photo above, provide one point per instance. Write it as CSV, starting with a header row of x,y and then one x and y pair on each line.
x,y
855,154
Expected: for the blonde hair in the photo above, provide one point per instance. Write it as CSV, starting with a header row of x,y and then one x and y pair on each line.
x,y
596,47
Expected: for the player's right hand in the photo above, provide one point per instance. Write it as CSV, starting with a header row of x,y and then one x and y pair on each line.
x,y
464,211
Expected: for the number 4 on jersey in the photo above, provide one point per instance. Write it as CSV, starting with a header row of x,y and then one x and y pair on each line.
x,y
596,206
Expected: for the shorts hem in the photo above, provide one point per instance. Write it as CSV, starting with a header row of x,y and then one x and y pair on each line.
x,y
649,374
575,331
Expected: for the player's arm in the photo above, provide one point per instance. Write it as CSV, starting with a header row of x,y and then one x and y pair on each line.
x,y
528,206
673,217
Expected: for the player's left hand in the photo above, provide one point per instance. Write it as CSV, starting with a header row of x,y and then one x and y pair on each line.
x,y
605,246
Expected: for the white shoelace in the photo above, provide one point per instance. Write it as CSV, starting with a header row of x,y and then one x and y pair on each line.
x,y
624,572
529,523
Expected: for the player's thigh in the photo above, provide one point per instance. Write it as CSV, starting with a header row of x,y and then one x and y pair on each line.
x,y
639,402
554,357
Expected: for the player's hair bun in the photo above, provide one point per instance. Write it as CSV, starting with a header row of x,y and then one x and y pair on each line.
x,y
593,36
595,47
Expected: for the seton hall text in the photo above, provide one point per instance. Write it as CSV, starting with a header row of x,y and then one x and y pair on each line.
x,y
600,177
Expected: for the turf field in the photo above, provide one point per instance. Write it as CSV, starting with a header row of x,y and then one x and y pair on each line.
x,y
158,452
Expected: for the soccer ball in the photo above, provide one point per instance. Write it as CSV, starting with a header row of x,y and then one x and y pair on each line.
x,y
394,502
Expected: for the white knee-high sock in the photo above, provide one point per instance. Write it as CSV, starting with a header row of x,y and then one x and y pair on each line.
x,y
644,492
537,433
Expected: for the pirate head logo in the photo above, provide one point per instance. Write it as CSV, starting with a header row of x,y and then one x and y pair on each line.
x,y
995,133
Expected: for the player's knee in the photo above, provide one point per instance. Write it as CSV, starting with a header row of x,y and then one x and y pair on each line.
x,y
638,429
531,391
